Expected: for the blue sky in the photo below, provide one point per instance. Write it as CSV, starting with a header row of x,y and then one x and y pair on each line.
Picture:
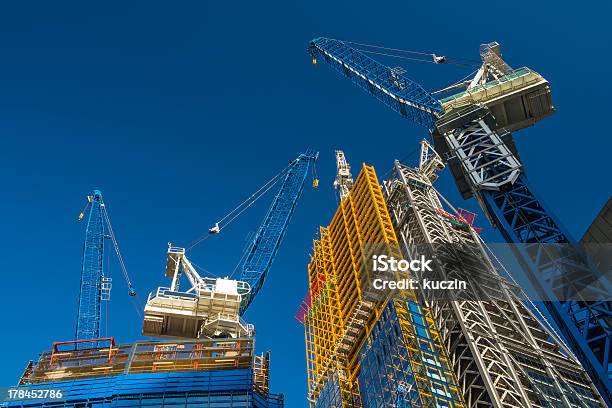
x,y
177,112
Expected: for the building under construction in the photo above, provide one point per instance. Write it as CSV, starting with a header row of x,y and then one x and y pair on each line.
x,y
362,350
209,359
478,347
210,373
504,352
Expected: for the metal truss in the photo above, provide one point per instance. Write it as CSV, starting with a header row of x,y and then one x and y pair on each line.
x,y
486,160
576,295
502,353
92,274
389,86
344,179
262,250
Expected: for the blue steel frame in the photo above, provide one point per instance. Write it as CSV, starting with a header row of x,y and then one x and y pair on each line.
x,y
586,324
90,296
262,250
404,96
213,389
387,376
518,214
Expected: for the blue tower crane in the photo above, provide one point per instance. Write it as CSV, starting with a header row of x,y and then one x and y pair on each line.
x,y
95,286
213,307
472,131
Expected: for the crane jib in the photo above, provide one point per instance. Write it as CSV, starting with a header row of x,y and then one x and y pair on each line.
x,y
401,94
262,250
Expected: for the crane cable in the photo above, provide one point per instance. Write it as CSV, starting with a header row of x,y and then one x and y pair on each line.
x,y
431,56
126,276
243,206
554,334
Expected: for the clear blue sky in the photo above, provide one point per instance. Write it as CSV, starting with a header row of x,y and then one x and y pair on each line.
x,y
177,112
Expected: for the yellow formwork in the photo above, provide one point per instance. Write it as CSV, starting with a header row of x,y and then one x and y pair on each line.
x,y
340,318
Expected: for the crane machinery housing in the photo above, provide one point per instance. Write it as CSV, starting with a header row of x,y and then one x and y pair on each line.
x,y
471,130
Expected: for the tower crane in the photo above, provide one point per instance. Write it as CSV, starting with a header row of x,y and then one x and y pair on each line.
x,y
471,130
95,287
213,307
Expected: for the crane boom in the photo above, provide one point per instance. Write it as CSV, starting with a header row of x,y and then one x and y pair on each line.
x,y
213,307
471,129
388,85
94,287
262,250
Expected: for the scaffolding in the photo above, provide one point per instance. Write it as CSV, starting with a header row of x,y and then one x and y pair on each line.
x,y
64,362
207,372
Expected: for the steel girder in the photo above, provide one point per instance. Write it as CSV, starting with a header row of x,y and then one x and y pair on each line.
x,y
485,158
576,295
501,352
389,86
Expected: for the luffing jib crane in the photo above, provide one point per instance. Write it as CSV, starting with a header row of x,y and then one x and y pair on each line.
x,y
213,307
472,131
95,286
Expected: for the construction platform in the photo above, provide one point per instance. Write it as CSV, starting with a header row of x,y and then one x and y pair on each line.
x,y
208,373
209,308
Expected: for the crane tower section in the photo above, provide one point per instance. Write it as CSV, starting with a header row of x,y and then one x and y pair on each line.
x,y
503,354
344,178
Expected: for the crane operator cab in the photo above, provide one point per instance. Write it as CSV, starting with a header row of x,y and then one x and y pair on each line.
x,y
209,308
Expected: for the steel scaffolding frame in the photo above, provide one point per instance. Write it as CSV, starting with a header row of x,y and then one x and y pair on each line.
x,y
502,354
204,373
342,315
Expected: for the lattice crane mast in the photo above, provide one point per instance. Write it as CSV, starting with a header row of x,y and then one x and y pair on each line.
x,y
213,307
95,287
344,178
471,130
